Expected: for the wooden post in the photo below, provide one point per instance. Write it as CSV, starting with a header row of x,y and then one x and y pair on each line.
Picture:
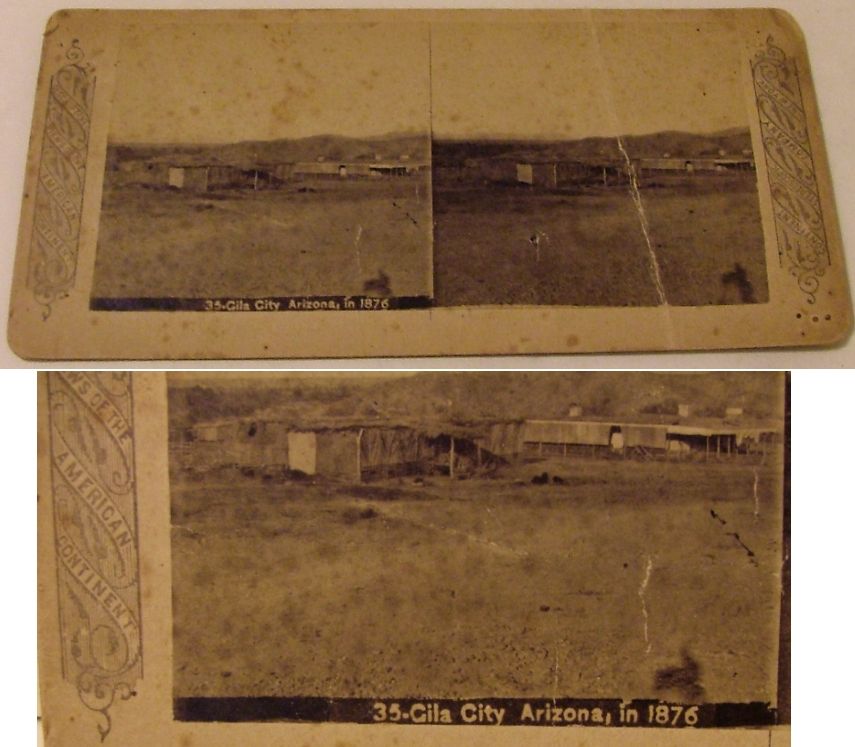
x,y
359,455
255,183
451,459
707,451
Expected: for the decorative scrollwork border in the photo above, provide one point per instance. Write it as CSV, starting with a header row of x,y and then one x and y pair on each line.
x,y
62,176
799,224
94,501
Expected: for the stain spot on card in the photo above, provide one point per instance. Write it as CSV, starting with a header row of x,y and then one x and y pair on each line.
x,y
737,287
681,680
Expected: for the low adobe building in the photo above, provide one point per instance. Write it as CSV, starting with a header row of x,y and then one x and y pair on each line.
x,y
350,451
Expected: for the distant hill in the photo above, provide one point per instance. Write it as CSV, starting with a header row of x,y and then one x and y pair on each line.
x,y
253,153
443,152
677,144
469,397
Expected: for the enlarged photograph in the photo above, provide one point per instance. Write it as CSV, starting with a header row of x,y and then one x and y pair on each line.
x,y
355,546
614,168
281,162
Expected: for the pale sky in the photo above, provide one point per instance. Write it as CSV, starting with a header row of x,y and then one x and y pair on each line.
x,y
222,378
200,83
572,80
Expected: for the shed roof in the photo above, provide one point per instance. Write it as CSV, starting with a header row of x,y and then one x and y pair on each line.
x,y
430,428
689,426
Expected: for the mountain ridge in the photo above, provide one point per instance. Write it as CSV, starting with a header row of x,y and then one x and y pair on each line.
x,y
474,396
419,147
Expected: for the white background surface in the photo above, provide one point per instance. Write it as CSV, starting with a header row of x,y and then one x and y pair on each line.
x,y
829,27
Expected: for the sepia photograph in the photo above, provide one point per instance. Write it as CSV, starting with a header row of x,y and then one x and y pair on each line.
x,y
440,547
614,168
342,161
283,162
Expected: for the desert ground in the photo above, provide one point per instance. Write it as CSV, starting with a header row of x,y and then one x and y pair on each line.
x,y
483,587
314,237
511,244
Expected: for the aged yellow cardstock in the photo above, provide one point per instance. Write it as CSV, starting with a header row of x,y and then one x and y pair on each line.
x,y
285,184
